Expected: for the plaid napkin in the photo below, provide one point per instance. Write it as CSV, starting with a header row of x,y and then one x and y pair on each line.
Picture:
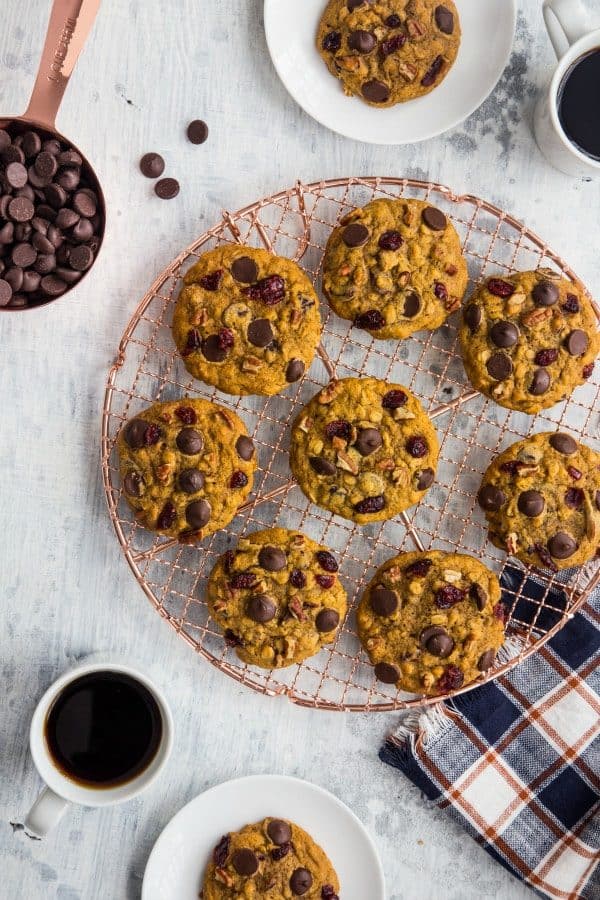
x,y
517,761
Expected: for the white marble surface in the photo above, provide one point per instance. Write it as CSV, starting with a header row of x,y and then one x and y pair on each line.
x,y
66,590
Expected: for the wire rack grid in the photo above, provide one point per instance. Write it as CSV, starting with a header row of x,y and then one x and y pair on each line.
x,y
472,429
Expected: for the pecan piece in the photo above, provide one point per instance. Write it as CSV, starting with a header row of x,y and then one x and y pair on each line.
x,y
536,316
408,72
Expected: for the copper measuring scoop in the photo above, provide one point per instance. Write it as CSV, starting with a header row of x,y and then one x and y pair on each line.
x,y
68,27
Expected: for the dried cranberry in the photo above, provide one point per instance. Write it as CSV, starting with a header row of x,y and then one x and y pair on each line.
x,y
433,71
417,446
298,578
228,558
221,851
512,466
186,414
574,473
278,853
419,568
241,580
587,371
194,342
325,581
212,281
231,639
545,558
448,595
226,339
390,240
500,288
440,290
238,480
392,45
500,612
571,304
451,680
270,290
393,21
574,498
545,357
167,516
327,561
152,435
394,399
339,428
332,41
371,320
370,505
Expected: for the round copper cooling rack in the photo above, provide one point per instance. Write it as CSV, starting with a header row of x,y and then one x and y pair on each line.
x,y
296,223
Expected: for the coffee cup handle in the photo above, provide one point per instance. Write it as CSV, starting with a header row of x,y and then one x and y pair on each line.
x,y
566,22
45,813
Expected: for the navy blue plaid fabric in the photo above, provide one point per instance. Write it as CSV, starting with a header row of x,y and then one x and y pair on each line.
x,y
517,762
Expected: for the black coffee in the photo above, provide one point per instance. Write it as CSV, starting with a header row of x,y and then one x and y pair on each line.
x,y
104,729
579,104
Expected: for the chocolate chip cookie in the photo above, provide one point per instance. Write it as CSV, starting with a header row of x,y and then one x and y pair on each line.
x,y
529,339
364,449
541,498
246,321
431,622
278,597
186,466
389,51
394,267
271,860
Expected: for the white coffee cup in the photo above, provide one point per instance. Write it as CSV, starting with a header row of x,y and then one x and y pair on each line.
x,y
572,36
60,790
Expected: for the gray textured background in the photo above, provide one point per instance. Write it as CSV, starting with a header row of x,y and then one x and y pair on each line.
x,y
67,590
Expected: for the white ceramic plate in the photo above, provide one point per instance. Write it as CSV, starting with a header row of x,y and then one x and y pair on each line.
x,y
488,30
176,865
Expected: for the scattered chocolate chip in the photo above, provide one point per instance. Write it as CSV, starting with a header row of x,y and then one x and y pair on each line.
x,y
479,596
562,545
322,466
491,498
412,305
545,293
486,660
540,382
375,91
244,447
362,41
368,441
327,620
387,673
213,349
191,481
434,218
244,270
499,366
152,165
189,441
436,641
260,608
384,602
273,559
425,479
279,832
472,317
444,19
197,131
504,334
354,4
295,370
244,862
221,851
132,483
260,333
198,513
301,881
563,443
531,503
355,235
577,342
390,240
135,433
166,188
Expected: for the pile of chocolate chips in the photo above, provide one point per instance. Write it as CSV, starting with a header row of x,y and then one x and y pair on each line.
x,y
51,220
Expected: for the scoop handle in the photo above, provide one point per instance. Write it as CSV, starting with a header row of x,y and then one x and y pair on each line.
x,y
566,22
68,27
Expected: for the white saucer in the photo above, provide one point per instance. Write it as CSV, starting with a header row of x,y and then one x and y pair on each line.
x,y
176,865
488,30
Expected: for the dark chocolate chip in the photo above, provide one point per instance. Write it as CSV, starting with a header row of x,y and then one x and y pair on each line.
x,y
279,832
55,195
244,447
152,165
384,602
6,292
69,158
189,441
545,293
20,209
23,255
81,258
472,317
260,608
53,286
273,559
368,441
32,143
191,481
491,498
412,305
69,179
444,19
540,382
260,333
563,443
45,263
436,641
425,479
135,432
375,91
504,334
499,366
166,188
300,881
434,218
244,861
387,673
66,218
41,243
244,270
14,276
295,370
198,513
327,620
362,41
16,174
355,235
486,660
531,503
562,545
479,596
82,230
212,348
197,131
132,483
322,466
576,343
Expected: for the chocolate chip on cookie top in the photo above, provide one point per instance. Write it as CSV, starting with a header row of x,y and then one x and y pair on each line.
x,y
394,267
540,498
186,466
529,339
431,622
277,597
364,449
388,53
246,321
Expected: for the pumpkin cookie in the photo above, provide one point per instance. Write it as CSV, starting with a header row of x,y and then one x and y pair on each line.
x,y
431,622
394,267
186,466
364,449
246,321
271,860
541,498
277,597
389,51
529,339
